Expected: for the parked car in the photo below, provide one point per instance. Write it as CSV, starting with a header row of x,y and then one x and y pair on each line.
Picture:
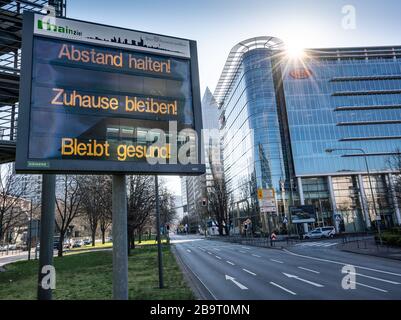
x,y
87,242
12,247
322,232
78,244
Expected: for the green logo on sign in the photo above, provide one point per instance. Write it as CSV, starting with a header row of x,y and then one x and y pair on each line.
x,y
56,28
38,164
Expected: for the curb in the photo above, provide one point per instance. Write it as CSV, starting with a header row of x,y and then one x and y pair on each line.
x,y
370,254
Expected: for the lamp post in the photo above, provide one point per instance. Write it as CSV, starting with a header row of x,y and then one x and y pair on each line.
x,y
370,182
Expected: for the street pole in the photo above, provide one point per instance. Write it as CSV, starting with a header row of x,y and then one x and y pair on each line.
x,y
46,233
159,243
30,233
373,198
120,241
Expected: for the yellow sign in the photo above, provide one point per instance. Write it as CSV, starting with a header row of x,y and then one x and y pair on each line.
x,y
266,194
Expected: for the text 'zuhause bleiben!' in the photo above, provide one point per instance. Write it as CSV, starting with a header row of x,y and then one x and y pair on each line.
x,y
102,102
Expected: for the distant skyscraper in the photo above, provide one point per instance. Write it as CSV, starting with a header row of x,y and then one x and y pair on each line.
x,y
194,188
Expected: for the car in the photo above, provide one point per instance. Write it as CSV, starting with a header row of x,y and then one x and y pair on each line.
x,y
12,247
322,232
87,242
78,244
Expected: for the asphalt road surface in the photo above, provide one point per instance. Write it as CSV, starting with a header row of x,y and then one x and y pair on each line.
x,y
222,270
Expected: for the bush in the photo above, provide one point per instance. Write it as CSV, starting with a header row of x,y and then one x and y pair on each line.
x,y
396,230
390,238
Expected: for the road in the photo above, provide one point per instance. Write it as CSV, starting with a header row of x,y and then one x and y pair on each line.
x,y
222,270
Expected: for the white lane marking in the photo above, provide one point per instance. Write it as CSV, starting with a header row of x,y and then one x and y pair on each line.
x,y
331,244
218,257
209,252
240,285
250,272
303,280
310,270
341,263
365,285
278,286
317,244
255,255
274,260
374,278
247,248
242,251
217,249
229,262
188,250
202,249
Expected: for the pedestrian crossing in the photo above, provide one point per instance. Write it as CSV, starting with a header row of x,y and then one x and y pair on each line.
x,y
317,244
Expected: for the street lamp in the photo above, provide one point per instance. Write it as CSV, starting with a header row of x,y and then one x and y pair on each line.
x,y
370,182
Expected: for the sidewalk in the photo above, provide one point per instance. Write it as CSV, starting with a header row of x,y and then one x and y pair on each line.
x,y
369,247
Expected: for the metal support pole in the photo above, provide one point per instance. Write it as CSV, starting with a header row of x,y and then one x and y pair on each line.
x,y
159,243
373,198
120,241
333,203
46,232
30,233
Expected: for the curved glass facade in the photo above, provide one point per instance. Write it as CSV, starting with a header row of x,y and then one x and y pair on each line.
x,y
253,155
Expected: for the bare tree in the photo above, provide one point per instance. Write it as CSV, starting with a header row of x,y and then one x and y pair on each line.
x,y
167,206
394,164
12,189
105,195
141,204
68,204
218,200
95,202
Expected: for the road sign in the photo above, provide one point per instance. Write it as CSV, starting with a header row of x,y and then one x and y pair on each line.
x,y
302,214
267,203
285,220
268,209
267,200
266,194
97,98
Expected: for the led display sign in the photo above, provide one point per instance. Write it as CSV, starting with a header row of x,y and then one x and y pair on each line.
x,y
95,98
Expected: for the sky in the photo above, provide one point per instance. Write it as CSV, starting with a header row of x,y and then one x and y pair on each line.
x,y
217,25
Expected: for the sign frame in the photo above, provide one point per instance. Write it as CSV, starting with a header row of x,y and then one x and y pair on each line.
x,y
81,166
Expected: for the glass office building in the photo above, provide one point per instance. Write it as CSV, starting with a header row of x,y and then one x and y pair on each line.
x,y
304,128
